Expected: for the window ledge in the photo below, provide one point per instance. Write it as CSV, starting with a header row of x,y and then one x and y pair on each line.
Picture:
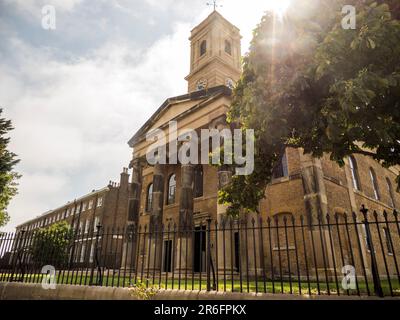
x,y
284,248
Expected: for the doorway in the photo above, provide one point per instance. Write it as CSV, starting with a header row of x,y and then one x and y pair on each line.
x,y
237,251
167,257
200,249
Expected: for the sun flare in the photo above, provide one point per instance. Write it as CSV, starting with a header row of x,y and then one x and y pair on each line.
x,y
278,6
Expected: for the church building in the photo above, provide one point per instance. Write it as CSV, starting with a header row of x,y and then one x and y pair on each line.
x,y
186,194
183,197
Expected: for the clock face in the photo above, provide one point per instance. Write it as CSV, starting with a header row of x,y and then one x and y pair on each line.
x,y
201,84
230,83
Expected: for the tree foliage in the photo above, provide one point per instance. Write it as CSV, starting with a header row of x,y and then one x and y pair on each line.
x,y
309,83
50,245
8,177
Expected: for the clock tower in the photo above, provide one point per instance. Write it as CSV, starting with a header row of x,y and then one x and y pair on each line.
x,y
215,57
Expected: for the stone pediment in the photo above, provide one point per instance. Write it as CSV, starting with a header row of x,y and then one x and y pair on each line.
x,y
176,107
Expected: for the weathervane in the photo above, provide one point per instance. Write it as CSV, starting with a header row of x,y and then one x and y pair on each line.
x,y
214,4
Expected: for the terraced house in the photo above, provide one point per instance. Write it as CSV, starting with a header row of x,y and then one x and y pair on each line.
x,y
106,207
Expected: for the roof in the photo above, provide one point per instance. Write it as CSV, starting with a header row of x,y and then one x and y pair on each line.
x,y
213,15
67,204
197,95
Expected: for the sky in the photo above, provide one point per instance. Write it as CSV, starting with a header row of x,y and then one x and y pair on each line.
x,y
78,93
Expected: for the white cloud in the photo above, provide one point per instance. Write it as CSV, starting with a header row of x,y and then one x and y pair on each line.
x,y
73,119
34,7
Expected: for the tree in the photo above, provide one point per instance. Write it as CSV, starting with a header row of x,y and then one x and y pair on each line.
x,y
8,178
309,83
50,245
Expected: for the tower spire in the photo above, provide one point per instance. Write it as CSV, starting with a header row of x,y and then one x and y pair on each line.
x,y
215,58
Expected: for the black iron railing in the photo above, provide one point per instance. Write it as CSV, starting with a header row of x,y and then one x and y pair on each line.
x,y
337,254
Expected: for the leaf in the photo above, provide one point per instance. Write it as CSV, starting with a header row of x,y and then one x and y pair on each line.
x,y
372,44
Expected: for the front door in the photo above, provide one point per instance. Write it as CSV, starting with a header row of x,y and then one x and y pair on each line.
x,y
200,249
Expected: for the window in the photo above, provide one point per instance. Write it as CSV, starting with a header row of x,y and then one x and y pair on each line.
x,y
388,240
354,173
171,189
83,252
87,225
228,47
84,205
90,205
367,237
203,47
91,252
149,199
281,170
100,202
96,223
81,226
374,184
391,194
198,181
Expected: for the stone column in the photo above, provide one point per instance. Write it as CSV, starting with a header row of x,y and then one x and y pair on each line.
x,y
316,203
224,239
129,248
355,209
185,218
156,219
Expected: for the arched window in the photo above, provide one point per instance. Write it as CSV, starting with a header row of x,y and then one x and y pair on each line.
x,y
198,181
228,47
374,182
149,199
354,173
171,189
281,169
391,194
203,47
